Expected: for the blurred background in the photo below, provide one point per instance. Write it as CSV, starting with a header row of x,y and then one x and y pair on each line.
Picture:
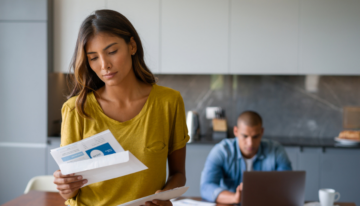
x,y
295,62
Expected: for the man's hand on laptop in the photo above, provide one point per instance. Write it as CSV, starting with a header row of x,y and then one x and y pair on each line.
x,y
237,195
227,197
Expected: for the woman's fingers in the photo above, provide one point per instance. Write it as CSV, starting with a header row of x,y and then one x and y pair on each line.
x,y
58,174
66,180
161,203
149,203
71,186
64,192
158,202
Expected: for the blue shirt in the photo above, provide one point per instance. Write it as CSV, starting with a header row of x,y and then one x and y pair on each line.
x,y
225,165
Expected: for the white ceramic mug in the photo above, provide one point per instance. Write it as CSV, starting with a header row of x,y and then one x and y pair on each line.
x,y
327,197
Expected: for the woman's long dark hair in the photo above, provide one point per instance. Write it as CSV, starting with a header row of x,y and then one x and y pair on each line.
x,y
85,79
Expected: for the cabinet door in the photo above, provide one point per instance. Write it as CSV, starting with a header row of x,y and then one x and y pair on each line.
x,y
23,10
194,36
195,160
23,82
340,170
145,17
51,166
293,154
264,36
309,159
68,16
18,166
330,31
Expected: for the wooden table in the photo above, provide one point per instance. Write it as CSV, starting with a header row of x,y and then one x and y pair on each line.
x,y
199,199
37,198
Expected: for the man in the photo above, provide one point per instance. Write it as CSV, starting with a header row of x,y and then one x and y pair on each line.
x,y
221,179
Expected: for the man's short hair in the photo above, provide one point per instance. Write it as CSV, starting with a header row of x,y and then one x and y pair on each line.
x,y
250,118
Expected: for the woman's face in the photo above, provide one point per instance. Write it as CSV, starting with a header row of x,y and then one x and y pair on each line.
x,y
109,56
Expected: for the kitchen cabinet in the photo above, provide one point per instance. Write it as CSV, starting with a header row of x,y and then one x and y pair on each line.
x,y
196,155
225,36
18,166
51,165
329,37
309,159
23,82
335,168
293,154
23,90
23,10
340,170
194,36
145,17
264,36
68,16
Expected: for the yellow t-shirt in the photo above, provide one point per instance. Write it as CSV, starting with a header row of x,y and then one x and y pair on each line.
x,y
158,130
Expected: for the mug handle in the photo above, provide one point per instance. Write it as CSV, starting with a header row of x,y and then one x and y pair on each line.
x,y
338,198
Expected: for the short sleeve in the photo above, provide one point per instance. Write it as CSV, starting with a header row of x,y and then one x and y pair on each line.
x,y
179,135
71,129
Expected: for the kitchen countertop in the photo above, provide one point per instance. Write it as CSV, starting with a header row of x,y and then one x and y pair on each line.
x,y
290,142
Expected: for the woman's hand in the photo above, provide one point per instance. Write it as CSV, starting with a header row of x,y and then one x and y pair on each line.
x,y
68,185
158,202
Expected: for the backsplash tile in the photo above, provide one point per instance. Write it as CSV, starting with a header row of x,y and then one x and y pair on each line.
x,y
291,106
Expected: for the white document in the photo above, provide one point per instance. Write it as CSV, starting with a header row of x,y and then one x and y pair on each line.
x,y
313,204
166,195
97,158
190,202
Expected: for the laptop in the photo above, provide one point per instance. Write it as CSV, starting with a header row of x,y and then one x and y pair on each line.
x,y
280,188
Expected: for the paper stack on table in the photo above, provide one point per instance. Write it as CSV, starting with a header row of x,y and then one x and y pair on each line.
x,y
190,202
166,195
97,158
313,204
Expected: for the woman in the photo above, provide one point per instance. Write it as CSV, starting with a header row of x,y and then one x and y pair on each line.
x,y
114,89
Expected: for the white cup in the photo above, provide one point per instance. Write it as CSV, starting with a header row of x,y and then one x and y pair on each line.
x,y
327,197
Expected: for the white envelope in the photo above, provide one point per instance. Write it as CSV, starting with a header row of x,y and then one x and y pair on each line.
x,y
104,168
166,195
97,158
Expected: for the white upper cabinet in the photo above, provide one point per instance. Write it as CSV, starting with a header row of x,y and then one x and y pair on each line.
x,y
330,37
264,36
261,37
145,17
194,36
18,10
23,74
68,16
